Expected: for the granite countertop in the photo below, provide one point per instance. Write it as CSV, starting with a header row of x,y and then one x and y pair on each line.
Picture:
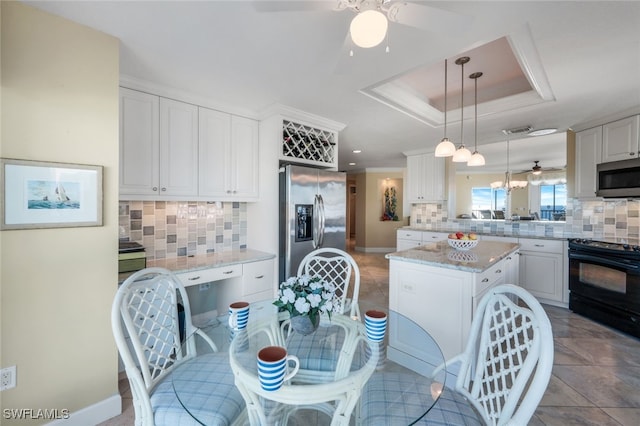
x,y
494,234
441,254
205,261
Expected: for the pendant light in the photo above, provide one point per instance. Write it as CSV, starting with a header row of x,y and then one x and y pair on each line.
x,y
476,159
445,148
462,154
508,184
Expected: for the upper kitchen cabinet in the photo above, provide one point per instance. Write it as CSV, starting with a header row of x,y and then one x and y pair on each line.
x,y
620,139
158,147
425,178
228,156
588,155
310,145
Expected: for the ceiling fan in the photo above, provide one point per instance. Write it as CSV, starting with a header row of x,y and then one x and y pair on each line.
x,y
369,27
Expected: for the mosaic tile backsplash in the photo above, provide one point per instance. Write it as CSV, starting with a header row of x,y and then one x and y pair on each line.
x,y
168,229
617,220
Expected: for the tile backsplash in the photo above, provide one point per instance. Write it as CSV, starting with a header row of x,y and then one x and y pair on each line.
x,y
169,229
609,219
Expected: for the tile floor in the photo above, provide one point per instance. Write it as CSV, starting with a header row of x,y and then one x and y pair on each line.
x,y
596,374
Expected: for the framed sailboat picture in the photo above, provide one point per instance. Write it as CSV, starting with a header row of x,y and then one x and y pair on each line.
x,y
39,194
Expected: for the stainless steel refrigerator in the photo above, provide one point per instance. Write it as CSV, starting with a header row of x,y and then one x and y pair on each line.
x,y
313,204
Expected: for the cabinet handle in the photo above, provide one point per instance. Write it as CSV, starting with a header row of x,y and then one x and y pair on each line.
x,y
509,258
485,280
632,154
539,245
164,189
228,272
194,278
498,271
259,277
155,188
228,191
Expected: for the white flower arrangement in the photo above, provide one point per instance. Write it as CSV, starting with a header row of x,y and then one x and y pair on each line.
x,y
306,295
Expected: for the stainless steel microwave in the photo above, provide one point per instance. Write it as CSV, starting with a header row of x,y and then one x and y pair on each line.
x,y
619,179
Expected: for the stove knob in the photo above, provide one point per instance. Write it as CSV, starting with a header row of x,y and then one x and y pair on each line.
x,y
626,246
636,248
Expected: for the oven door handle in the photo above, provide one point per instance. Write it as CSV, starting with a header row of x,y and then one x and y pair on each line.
x,y
630,266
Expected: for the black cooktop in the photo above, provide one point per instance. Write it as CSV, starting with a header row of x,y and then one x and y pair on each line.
x,y
603,246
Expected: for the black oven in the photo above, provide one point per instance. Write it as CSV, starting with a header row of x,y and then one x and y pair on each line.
x,y
604,283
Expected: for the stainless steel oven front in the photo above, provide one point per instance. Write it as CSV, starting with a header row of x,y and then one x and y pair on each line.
x,y
604,283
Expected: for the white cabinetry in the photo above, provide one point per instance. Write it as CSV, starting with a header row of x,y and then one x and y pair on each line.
x,y
620,139
439,300
158,146
256,284
588,155
409,238
542,270
425,178
309,144
228,156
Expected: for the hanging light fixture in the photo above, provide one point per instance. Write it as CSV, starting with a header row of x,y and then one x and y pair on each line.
x,y
476,159
536,170
369,27
462,154
445,148
508,184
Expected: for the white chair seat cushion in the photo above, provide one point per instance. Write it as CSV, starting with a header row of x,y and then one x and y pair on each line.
x,y
318,351
210,394
399,399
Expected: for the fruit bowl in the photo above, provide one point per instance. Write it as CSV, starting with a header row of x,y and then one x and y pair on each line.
x,y
462,244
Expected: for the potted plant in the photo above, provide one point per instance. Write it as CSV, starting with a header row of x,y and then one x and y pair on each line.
x,y
306,298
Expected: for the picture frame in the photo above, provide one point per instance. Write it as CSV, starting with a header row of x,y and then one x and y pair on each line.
x,y
38,194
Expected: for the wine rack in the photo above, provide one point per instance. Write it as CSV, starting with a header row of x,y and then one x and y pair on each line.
x,y
303,142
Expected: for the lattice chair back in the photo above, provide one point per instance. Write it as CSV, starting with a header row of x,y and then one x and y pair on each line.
x,y
510,345
146,306
337,267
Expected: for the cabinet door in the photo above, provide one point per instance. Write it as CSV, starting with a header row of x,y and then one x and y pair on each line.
x,y
620,139
139,143
178,148
415,178
541,274
244,166
215,155
434,178
588,155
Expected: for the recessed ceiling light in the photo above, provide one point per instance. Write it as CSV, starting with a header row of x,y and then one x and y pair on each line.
x,y
542,132
352,164
357,151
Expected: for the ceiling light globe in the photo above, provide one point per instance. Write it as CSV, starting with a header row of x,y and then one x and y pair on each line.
x,y
368,28
462,155
537,172
476,159
445,148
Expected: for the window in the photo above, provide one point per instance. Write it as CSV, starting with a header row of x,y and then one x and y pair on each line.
x,y
485,200
553,201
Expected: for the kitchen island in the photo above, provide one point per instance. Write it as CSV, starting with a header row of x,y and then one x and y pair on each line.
x,y
439,288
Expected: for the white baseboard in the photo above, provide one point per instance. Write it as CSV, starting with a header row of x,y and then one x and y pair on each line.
x,y
93,414
375,249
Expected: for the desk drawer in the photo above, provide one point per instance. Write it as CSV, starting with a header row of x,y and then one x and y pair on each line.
x,y
202,276
489,278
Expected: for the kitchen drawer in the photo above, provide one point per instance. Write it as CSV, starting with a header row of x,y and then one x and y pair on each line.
x,y
409,234
498,238
258,277
202,276
432,237
489,278
537,244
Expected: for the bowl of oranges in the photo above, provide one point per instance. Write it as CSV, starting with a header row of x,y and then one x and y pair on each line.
x,y
463,241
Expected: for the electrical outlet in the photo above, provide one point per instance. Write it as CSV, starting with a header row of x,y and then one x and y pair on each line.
x,y
8,378
205,286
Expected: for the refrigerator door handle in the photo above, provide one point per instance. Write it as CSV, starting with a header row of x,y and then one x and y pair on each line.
x,y
321,221
316,222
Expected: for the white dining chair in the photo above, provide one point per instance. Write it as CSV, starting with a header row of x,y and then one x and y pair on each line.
x,y
146,327
504,369
336,267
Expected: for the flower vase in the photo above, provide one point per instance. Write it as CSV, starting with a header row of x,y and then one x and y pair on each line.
x,y
302,324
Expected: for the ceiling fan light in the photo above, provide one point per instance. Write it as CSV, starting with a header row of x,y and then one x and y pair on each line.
x,y
462,155
368,28
445,148
476,159
536,169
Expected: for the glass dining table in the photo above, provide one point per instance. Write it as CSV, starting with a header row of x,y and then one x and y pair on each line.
x,y
343,377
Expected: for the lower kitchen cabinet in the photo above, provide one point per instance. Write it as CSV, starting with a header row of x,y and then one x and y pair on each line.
x,y
256,284
542,269
409,238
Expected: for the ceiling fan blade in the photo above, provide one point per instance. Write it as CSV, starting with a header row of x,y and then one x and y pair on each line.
x,y
428,18
295,5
